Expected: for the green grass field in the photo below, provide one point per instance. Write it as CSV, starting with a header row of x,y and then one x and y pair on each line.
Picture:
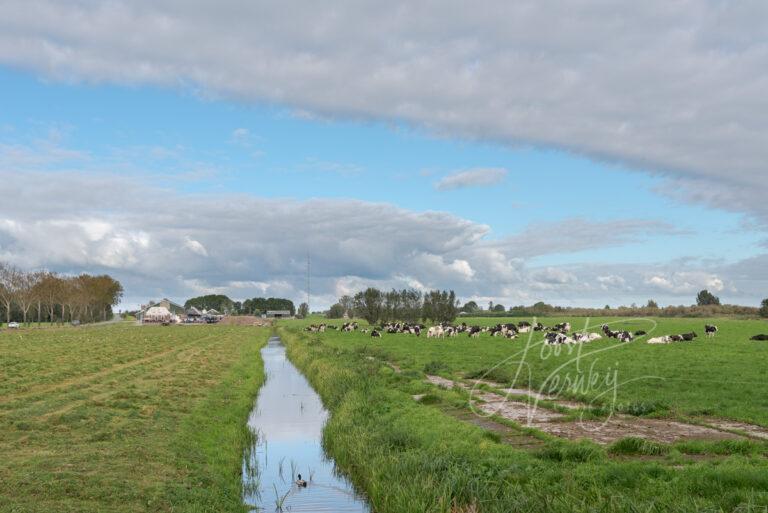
x,y
126,418
433,455
726,376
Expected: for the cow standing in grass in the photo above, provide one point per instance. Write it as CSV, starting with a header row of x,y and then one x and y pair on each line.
x,y
710,330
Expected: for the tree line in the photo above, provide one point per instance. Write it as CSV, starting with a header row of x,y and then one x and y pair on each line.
x,y
45,296
411,305
408,305
253,306
707,305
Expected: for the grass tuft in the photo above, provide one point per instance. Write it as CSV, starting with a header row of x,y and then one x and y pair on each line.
x,y
638,446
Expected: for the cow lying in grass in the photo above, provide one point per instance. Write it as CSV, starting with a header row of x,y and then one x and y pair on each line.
x,y
667,339
558,338
759,337
621,336
349,326
585,337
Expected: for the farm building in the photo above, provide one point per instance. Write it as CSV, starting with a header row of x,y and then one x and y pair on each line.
x,y
156,310
193,313
157,314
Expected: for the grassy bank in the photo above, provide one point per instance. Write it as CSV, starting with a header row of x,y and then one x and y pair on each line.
x,y
411,456
125,418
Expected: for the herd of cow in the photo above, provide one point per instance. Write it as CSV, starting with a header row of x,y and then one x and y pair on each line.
x,y
557,334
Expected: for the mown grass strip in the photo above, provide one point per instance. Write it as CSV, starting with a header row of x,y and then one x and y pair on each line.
x,y
213,439
161,436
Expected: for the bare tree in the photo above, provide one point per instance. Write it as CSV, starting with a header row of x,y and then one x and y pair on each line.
x,y
25,292
9,280
46,294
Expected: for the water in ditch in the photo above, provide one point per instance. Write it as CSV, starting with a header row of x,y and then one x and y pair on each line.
x,y
288,420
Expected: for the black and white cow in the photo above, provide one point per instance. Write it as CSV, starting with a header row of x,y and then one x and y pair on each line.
x,y
710,330
555,337
349,326
684,337
474,331
376,334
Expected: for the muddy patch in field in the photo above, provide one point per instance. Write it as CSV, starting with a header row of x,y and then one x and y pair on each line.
x,y
618,427
570,405
514,391
506,434
604,431
732,425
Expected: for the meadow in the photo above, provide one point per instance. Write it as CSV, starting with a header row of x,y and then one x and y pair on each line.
x,y
413,447
125,418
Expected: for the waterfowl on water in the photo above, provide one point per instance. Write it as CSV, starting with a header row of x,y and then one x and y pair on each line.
x,y
300,481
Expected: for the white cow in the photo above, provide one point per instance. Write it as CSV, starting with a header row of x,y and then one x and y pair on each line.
x,y
435,332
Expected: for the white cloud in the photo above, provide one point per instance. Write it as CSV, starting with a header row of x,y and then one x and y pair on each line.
x,y
673,87
480,177
149,238
195,247
554,276
686,282
241,134
611,281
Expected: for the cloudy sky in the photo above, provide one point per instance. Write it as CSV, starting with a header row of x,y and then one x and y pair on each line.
x,y
513,151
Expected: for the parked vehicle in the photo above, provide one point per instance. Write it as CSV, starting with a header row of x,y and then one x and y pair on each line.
x,y
14,325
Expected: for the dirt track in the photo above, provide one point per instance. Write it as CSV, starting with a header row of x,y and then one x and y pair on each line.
x,y
522,406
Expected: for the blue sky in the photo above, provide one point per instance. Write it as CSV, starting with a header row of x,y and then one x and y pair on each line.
x,y
200,145
570,199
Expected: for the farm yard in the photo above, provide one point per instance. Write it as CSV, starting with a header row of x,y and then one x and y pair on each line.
x,y
492,424
125,418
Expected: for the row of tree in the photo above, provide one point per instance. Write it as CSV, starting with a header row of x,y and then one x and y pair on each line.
x,y
707,305
408,305
254,306
48,297
218,302
260,305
